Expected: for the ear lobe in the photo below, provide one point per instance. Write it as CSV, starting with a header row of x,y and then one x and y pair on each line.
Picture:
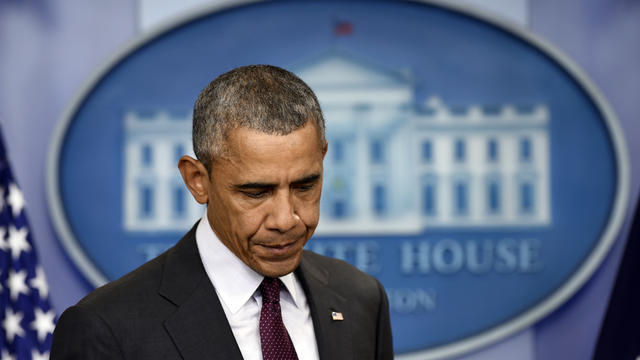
x,y
195,177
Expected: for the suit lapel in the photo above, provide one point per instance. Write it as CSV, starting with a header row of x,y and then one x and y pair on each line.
x,y
199,327
333,336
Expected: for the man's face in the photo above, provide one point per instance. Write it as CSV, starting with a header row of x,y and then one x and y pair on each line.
x,y
264,196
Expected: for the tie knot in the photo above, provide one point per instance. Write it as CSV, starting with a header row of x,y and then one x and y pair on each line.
x,y
270,290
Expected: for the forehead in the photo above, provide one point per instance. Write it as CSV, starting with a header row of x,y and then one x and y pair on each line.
x,y
249,140
252,152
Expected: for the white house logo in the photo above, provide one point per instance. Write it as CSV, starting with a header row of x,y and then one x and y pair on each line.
x,y
479,165
471,168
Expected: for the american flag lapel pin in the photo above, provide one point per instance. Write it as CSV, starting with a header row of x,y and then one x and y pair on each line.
x,y
337,316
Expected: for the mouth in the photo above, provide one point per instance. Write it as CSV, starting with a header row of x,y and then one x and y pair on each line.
x,y
278,250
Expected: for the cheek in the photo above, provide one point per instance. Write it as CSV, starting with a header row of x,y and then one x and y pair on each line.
x,y
309,212
233,212
247,223
230,218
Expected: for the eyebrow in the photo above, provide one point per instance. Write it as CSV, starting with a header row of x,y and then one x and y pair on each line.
x,y
258,185
307,179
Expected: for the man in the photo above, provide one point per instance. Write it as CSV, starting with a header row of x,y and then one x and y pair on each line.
x,y
239,284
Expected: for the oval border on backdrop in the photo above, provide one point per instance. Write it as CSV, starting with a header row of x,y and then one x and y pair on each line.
x,y
515,324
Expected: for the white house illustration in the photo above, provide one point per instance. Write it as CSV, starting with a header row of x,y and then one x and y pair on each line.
x,y
393,166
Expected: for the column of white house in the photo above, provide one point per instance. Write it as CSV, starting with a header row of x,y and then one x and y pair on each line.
x,y
444,167
495,174
454,171
476,167
541,153
509,164
503,169
131,195
382,169
404,175
362,199
475,138
544,195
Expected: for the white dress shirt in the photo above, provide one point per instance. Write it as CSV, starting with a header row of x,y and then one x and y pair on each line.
x,y
237,284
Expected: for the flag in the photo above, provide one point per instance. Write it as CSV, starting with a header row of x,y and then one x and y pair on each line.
x,y
620,332
342,28
26,317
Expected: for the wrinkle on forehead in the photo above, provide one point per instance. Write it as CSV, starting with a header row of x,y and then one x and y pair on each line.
x,y
256,142
222,150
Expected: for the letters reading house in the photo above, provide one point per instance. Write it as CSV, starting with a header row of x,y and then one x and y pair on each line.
x,y
393,166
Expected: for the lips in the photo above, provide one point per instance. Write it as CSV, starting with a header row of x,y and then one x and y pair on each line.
x,y
277,250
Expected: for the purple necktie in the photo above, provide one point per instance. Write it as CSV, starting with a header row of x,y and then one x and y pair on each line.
x,y
275,341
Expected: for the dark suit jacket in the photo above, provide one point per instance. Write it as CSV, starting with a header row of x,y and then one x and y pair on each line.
x,y
168,309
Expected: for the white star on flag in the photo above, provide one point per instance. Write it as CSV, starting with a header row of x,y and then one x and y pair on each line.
x,y
11,324
15,199
35,355
40,283
43,323
16,284
6,355
18,241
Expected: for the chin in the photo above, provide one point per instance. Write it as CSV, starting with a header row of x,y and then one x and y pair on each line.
x,y
278,269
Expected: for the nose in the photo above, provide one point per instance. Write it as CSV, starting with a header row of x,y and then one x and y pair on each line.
x,y
282,216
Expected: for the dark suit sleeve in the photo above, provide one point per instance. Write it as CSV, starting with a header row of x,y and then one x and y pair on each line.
x,y
384,350
81,334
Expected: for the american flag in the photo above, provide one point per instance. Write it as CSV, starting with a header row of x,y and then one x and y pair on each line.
x,y
25,313
342,28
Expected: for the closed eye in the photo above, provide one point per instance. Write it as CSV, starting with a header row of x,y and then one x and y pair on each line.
x,y
255,194
307,183
254,190
305,187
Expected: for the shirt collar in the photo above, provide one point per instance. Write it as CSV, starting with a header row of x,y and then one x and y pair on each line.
x,y
234,281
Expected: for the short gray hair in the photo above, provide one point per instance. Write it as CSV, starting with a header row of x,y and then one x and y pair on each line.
x,y
260,97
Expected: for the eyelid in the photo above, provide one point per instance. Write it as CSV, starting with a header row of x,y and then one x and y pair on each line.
x,y
305,186
255,194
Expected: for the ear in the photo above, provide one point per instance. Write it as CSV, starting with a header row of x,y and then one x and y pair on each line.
x,y
325,148
196,178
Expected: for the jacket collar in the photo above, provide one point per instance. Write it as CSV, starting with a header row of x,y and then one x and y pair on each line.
x,y
198,327
332,336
